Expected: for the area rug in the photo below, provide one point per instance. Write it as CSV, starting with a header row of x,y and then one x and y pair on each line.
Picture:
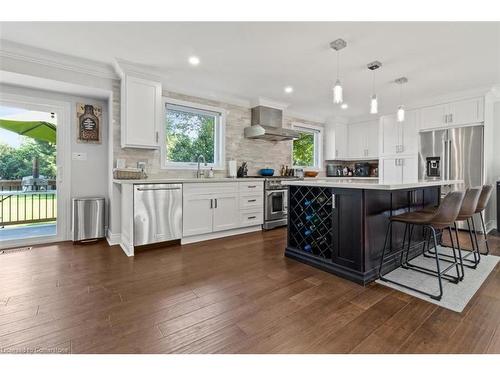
x,y
455,296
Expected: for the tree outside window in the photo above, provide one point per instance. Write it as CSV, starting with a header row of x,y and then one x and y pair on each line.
x,y
304,150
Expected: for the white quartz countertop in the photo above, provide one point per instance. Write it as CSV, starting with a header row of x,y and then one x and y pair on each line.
x,y
368,184
183,180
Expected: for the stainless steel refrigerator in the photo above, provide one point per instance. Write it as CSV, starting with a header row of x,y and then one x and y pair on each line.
x,y
452,154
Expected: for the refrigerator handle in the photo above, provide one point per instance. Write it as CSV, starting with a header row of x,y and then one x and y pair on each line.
x,y
445,161
449,159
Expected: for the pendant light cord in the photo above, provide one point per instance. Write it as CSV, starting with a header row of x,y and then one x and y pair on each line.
x,y
373,83
338,64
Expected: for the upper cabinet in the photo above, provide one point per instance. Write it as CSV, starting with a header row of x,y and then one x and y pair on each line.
x,y
399,137
141,112
335,141
363,140
462,112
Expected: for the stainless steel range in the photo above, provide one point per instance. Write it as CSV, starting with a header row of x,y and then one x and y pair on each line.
x,y
275,202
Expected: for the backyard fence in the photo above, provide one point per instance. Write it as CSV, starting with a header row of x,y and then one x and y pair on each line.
x,y
26,207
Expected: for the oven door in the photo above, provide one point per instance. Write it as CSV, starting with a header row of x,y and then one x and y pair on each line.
x,y
276,204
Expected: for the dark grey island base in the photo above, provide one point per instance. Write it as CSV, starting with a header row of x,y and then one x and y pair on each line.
x,y
342,230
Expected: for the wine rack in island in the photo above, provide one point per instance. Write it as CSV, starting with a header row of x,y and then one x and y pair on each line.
x,y
311,220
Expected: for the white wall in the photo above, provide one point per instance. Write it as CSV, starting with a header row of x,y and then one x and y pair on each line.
x,y
90,177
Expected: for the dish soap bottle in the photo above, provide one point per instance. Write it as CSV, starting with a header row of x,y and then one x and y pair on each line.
x,y
211,172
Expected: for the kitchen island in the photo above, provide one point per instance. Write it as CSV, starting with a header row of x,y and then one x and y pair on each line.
x,y
340,226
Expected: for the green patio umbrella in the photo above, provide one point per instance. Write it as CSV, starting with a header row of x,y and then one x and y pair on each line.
x,y
41,130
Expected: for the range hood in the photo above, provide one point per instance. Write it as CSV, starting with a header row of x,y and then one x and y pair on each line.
x,y
267,123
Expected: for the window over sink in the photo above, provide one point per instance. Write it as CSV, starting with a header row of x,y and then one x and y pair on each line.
x,y
306,151
191,130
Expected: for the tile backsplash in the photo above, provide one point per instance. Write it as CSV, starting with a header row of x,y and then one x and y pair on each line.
x,y
257,153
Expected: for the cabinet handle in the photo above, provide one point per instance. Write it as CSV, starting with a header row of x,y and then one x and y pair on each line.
x,y
215,202
211,203
252,217
333,202
451,117
252,186
336,153
252,200
157,137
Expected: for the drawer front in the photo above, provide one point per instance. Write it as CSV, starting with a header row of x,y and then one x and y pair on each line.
x,y
251,186
210,187
249,218
252,201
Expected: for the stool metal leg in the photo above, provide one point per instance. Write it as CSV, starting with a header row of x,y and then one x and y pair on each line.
x,y
383,251
459,275
475,238
484,233
437,266
474,254
459,250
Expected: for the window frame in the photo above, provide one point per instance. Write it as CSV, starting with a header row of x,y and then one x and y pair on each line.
x,y
317,131
219,137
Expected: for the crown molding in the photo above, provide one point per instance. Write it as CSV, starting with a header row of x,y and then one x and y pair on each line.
x,y
268,103
25,53
305,117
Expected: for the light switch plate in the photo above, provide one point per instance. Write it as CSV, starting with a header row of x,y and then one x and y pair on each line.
x,y
79,156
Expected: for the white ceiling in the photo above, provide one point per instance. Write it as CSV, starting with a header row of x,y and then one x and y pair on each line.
x,y
250,60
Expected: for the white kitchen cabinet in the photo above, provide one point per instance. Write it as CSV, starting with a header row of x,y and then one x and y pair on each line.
x,y
209,208
197,214
357,143
335,141
399,170
461,112
141,112
363,140
399,137
226,212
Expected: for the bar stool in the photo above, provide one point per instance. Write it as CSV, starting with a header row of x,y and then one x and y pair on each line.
x,y
467,211
481,206
443,218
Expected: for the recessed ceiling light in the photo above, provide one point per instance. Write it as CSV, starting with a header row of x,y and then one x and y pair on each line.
x,y
344,106
193,60
289,89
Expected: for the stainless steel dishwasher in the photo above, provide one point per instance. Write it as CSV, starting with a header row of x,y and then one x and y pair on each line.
x,y
157,213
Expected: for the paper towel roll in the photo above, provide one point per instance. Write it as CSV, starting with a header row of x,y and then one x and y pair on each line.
x,y
232,168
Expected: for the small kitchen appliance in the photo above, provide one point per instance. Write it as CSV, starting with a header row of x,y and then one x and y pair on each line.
x,y
362,169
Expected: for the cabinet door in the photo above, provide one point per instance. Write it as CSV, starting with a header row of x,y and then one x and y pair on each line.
x,y
348,228
390,135
356,140
466,112
391,171
142,112
409,133
410,169
371,138
197,215
226,212
330,142
433,117
341,141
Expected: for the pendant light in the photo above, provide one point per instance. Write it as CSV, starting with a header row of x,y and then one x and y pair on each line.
x,y
373,100
401,109
337,45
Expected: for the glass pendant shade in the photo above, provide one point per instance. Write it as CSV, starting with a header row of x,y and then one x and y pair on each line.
x,y
373,104
337,93
401,113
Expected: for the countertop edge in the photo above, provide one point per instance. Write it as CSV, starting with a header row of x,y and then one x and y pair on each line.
x,y
372,186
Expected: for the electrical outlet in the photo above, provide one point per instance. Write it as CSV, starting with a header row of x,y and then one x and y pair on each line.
x,y
79,156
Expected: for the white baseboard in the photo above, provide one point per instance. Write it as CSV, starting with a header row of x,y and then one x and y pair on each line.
x,y
113,238
214,235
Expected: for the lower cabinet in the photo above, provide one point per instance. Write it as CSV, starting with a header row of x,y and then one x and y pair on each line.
x,y
216,207
226,212
197,215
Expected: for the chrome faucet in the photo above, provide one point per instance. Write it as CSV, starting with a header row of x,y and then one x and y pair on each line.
x,y
201,173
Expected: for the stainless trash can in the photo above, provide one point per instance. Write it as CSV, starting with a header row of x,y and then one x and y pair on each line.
x,y
88,218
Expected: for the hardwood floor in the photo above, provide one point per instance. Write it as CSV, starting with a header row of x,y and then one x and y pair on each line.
x,y
232,295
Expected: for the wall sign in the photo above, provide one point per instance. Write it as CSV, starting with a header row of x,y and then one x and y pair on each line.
x,y
89,123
